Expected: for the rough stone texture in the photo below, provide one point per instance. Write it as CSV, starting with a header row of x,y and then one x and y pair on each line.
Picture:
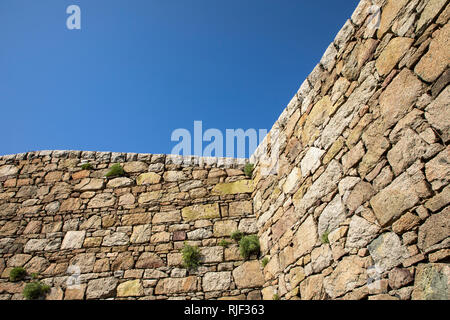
x,y
362,149
432,282
387,251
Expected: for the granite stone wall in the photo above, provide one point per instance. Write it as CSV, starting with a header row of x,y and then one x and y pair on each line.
x,y
92,237
352,182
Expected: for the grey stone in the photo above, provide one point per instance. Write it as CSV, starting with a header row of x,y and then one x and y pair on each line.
x,y
332,216
360,232
387,251
101,288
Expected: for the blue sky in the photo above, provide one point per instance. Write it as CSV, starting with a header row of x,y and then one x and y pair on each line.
x,y
139,69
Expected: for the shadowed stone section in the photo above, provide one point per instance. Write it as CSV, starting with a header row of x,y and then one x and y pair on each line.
x,y
241,186
387,251
430,11
389,13
176,285
402,194
132,288
437,114
437,59
322,186
350,273
432,282
248,275
435,229
73,240
196,212
101,288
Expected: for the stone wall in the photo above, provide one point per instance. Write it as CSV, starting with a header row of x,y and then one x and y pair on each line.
x,y
90,237
356,204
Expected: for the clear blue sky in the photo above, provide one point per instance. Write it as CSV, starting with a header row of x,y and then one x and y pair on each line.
x,y
139,69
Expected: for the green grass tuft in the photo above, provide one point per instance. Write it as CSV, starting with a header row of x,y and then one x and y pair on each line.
x,y
86,166
224,243
249,245
116,170
324,237
17,274
248,169
35,290
264,262
191,256
236,235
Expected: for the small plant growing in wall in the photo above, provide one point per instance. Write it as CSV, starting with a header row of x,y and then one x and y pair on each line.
x,y
116,170
86,166
264,262
224,243
191,256
276,297
249,245
35,290
17,274
324,237
236,235
248,169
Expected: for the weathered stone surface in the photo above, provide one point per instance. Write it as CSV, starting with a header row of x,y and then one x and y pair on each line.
x,y
311,161
166,217
398,98
35,245
176,285
436,60
399,278
196,212
292,181
70,204
321,258
8,170
312,288
199,234
211,254
128,219
410,148
216,281
392,54
102,200
361,193
115,239
387,251
437,114
437,170
435,229
36,265
432,282
353,156
149,260
127,199
148,178
332,216
123,261
149,196
18,260
141,234
89,184
160,237
119,182
224,228
241,186
172,176
73,240
248,275
389,13
132,288
439,201
84,261
430,11
135,166
345,113
248,226
321,187
350,273
360,232
240,208
101,288
402,194
306,237
406,222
